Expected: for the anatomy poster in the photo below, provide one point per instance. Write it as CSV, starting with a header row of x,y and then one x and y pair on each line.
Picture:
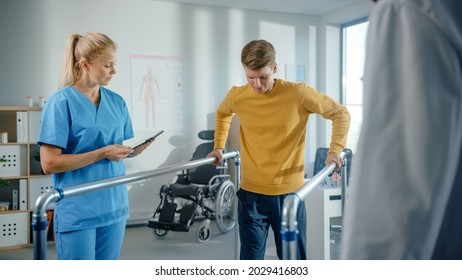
x,y
157,92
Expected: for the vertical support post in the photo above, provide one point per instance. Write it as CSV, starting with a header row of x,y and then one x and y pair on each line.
x,y
344,170
237,164
289,227
39,226
40,222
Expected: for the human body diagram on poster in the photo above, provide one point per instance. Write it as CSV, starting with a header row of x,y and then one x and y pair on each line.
x,y
157,93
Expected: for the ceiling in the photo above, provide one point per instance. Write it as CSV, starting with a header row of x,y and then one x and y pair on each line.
x,y
304,7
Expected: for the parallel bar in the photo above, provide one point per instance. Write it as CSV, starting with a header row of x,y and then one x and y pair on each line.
x,y
304,191
39,216
289,226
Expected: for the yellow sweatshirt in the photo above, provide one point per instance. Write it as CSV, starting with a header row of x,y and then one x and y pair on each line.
x,y
272,132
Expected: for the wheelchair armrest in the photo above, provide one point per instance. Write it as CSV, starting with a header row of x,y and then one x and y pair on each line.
x,y
224,165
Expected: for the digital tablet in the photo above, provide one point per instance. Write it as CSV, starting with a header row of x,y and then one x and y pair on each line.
x,y
144,142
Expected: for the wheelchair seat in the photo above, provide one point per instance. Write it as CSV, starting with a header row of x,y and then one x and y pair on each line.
x,y
197,181
185,190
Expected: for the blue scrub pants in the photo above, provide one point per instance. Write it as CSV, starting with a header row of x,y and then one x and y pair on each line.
x,y
258,212
103,243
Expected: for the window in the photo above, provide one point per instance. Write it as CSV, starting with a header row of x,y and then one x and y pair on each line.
x,y
353,53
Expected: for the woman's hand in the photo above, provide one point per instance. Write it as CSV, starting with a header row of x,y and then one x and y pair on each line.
x,y
116,152
139,149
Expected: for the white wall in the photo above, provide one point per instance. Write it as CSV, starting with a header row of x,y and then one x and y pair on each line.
x,y
33,34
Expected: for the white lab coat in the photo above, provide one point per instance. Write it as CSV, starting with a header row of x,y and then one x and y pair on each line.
x,y
410,146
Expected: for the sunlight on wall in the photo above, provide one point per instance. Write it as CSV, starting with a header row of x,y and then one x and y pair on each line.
x,y
236,37
202,66
283,39
311,146
332,73
312,56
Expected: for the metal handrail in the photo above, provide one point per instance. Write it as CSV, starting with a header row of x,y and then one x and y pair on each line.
x,y
39,215
289,227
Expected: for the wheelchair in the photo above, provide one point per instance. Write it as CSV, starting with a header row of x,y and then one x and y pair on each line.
x,y
204,193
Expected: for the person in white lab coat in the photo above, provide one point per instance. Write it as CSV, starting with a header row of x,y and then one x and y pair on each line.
x,y
405,198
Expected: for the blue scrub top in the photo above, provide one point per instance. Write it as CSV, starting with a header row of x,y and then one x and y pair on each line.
x,y
71,121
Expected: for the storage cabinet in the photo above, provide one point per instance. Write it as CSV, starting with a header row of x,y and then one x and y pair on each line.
x,y
20,126
14,228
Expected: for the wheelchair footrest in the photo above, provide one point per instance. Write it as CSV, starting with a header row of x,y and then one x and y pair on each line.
x,y
187,214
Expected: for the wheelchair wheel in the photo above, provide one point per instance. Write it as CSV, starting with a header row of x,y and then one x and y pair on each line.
x,y
224,207
203,234
159,233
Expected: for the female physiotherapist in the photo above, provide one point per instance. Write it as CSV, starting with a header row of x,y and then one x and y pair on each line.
x,y
83,127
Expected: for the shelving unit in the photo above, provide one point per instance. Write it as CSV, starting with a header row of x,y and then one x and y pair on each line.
x,y
23,171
